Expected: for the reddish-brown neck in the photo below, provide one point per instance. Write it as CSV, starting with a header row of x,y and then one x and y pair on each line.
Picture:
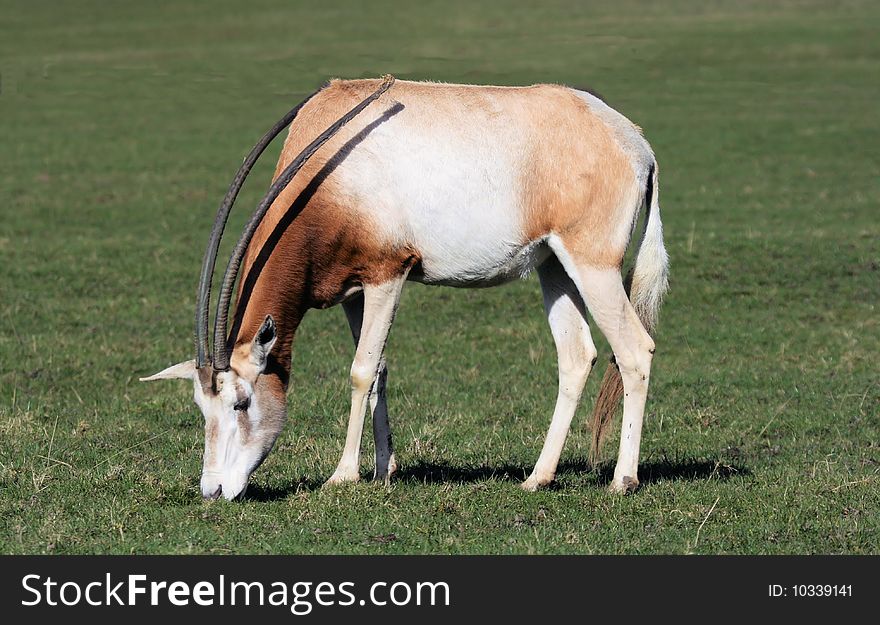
x,y
275,283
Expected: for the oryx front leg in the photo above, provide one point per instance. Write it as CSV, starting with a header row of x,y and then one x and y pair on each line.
x,y
576,355
380,304
386,464
633,351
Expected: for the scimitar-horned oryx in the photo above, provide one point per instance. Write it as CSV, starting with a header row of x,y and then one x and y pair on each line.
x,y
456,185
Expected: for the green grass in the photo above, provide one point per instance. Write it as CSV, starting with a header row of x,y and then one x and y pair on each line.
x,y
120,126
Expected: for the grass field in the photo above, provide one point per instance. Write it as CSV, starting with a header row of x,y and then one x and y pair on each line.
x,y
121,125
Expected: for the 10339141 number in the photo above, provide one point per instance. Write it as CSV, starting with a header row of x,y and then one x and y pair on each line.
x,y
810,590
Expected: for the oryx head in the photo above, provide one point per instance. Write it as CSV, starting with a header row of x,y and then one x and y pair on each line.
x,y
244,412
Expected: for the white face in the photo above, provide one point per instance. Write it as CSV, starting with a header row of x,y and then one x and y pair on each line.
x,y
244,412
242,421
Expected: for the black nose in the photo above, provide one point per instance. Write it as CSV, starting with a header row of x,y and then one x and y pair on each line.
x,y
213,495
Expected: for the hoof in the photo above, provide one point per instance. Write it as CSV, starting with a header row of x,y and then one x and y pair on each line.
x,y
386,477
534,483
392,466
624,485
341,478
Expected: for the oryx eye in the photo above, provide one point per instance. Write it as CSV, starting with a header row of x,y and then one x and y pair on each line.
x,y
242,404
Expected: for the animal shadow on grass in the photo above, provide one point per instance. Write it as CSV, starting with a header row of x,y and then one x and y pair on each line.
x,y
689,469
423,472
261,492
443,472
649,471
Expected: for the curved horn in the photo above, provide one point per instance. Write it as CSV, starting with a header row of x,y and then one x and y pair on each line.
x,y
210,258
221,349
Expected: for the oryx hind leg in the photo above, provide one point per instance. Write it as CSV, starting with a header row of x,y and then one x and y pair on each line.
x,y
380,305
607,301
385,463
576,354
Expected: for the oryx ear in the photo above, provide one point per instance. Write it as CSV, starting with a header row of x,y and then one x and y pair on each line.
x,y
262,344
182,370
